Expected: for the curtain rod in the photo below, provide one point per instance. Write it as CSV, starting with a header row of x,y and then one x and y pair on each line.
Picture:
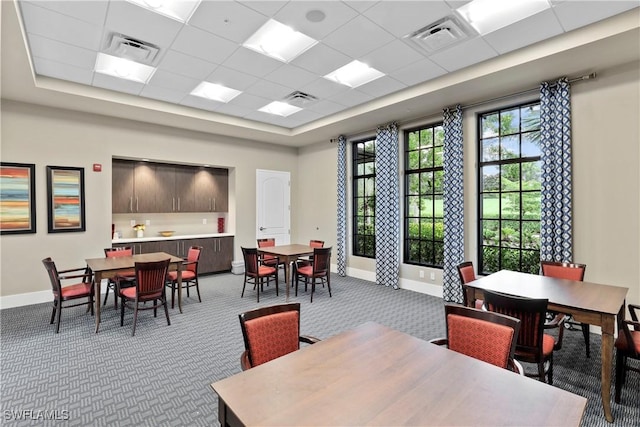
x,y
590,76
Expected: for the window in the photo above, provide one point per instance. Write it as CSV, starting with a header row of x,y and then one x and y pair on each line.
x,y
423,204
364,198
509,189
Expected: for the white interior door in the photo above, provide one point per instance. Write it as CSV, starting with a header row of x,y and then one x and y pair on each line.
x,y
273,205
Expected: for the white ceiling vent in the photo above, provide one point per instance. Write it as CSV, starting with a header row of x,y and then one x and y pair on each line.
x,y
299,99
439,35
130,48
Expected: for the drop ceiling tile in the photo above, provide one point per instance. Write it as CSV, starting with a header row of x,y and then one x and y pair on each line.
x,y
231,78
381,87
120,85
302,117
403,17
93,12
58,70
228,19
391,57
464,54
167,80
141,24
186,65
56,26
265,89
267,8
574,14
234,110
201,44
271,118
526,32
43,47
201,103
336,15
291,76
351,98
251,62
248,101
323,88
162,94
360,6
358,38
418,72
321,59
325,107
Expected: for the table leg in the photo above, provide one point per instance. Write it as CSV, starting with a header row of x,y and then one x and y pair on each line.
x,y
97,280
607,358
287,276
179,270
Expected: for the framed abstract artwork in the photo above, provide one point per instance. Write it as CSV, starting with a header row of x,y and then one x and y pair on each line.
x,y
65,199
17,198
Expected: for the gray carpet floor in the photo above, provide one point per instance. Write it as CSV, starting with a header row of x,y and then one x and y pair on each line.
x,y
161,376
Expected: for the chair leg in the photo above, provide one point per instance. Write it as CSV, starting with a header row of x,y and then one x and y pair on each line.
x,y
53,313
91,303
295,277
155,308
243,286
135,318
173,294
329,284
121,311
277,282
313,287
550,371
620,368
198,290
166,311
58,316
106,294
585,333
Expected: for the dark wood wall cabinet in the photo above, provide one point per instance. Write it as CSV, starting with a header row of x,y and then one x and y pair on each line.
x,y
164,188
216,255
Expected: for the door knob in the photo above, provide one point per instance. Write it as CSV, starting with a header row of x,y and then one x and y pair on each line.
x,y
262,228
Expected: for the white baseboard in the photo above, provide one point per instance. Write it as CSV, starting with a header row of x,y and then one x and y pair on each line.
x,y
38,297
410,285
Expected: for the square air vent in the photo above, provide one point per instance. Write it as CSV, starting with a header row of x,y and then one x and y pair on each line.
x,y
136,50
443,33
299,99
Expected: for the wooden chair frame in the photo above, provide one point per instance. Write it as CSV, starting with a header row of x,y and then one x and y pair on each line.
x,y
172,277
625,328
121,280
321,269
252,275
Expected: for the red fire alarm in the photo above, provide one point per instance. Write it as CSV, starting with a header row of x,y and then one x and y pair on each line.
x,y
97,167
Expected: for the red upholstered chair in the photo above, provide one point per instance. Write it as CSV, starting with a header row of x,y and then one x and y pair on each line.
x,y
267,259
467,274
483,335
77,291
150,286
319,268
124,279
627,346
569,271
533,345
189,274
255,273
271,332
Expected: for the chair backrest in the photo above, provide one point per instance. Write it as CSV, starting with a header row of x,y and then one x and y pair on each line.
x,y
151,276
531,313
193,256
118,252
250,256
316,243
563,270
52,271
483,335
466,272
263,243
321,261
270,332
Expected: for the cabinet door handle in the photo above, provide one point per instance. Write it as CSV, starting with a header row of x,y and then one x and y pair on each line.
x,y
173,203
137,208
214,204
210,205
131,203
178,204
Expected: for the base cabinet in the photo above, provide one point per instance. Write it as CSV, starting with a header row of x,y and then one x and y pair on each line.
x,y
216,255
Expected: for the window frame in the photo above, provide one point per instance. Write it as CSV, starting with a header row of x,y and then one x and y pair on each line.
x,y
479,192
355,179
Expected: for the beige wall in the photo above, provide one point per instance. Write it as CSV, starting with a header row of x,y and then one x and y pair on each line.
x,y
606,158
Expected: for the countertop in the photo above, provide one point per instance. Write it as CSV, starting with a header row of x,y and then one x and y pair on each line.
x,y
174,237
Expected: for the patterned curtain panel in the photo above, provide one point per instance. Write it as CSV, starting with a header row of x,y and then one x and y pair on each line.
x,y
387,219
341,240
556,241
453,204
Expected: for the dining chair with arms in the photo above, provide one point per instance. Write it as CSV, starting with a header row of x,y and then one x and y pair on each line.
x,y
268,259
78,291
189,274
150,286
483,335
627,346
320,268
533,345
570,271
467,274
271,332
124,279
255,272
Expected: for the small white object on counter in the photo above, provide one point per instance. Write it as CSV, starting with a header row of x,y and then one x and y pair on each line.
x,y
174,237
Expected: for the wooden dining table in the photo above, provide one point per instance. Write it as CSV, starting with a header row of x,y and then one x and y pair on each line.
x,y
591,303
375,375
108,268
288,254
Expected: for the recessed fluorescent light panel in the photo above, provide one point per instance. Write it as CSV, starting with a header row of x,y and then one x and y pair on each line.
x,y
279,41
123,68
487,16
280,109
180,10
215,92
354,74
